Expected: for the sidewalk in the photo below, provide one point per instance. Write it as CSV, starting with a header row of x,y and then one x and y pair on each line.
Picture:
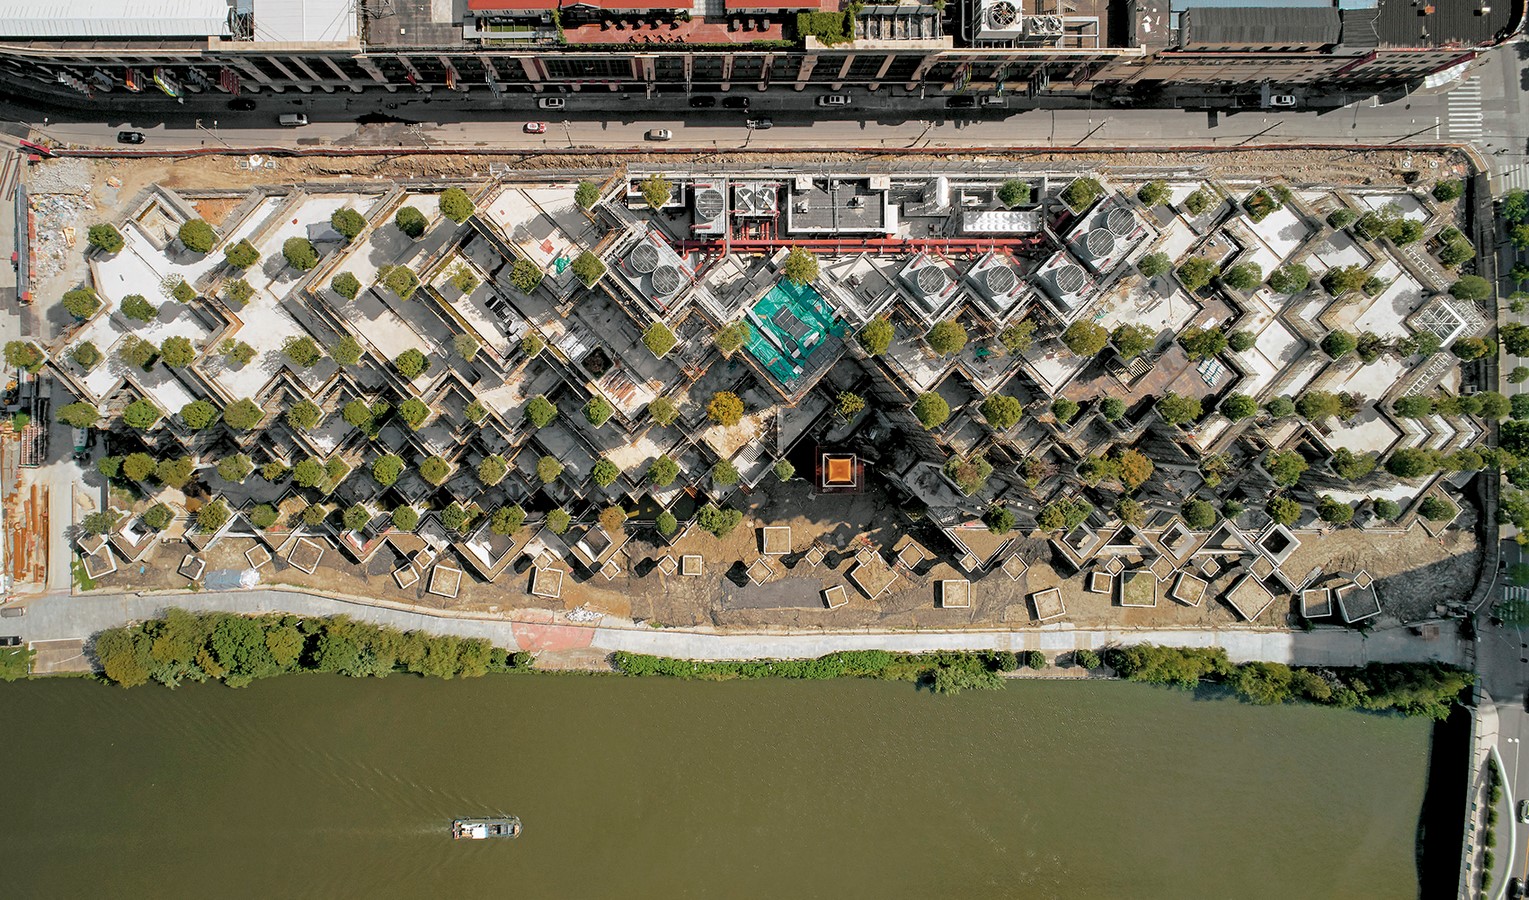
x,y
65,617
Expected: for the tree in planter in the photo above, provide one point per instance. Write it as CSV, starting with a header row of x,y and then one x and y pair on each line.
x,y
213,516
24,355
243,415
456,205
1446,191
178,352
136,351
314,514
1177,409
1154,264
541,411
458,518
931,410
302,350
1319,406
299,253
1198,514
724,473
1351,466
588,267
141,414
1412,462
1471,287
346,351
1238,406
849,405
663,411
411,364
476,412
304,415
309,473
158,517
405,518
386,469
1133,468
1342,218
784,470
241,255
1112,408
1339,344
105,237
79,415
182,292
666,523
1200,201
357,414
970,475
732,338
81,302
532,345
85,355
1286,467
800,266
175,472
1387,509
1199,343
1131,512
411,221
492,469
1132,340
197,236
947,337
198,414
558,520
235,468
274,471
725,409
720,522
525,276
1472,348
548,469
1063,410
656,190
347,222
663,471
466,346
1082,193
237,292
1064,514
658,339
507,520
346,285
401,280
1085,338
1435,509
137,466
1154,193
1343,280
604,472
1243,276
1014,192
1284,510
1196,272
435,470
101,522
1002,411
1290,279
876,336
355,517
597,411
1370,346
587,194
413,412
138,308
998,519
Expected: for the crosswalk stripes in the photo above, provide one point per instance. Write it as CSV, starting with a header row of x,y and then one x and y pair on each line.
x,y
1513,592
1514,178
1464,109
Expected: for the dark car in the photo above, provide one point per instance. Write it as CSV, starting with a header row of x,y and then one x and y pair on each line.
x,y
961,102
735,102
704,101
129,137
244,103
10,640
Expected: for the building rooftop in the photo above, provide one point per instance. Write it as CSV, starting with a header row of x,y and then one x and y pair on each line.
x,y
1444,23
119,19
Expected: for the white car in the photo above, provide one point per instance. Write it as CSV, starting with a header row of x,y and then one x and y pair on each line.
x,y
1523,810
834,100
1282,100
551,102
660,134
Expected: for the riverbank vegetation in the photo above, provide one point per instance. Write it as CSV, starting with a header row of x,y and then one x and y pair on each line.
x,y
15,663
945,672
234,649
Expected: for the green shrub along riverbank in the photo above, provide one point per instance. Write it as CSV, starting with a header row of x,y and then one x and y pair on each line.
x,y
235,649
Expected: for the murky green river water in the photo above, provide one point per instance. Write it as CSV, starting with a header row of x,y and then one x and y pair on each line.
x,y
327,787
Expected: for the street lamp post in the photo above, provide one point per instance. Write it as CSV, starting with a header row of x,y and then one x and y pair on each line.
x,y
214,132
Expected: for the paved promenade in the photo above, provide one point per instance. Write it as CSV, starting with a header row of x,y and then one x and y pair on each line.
x,y
65,617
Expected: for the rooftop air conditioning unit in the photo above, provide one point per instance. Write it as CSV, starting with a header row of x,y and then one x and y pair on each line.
x,y
998,20
1043,25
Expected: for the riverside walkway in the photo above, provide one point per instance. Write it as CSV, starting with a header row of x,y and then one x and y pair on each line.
x,y
62,617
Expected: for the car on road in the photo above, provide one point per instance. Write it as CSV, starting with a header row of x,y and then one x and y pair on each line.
x,y
703,101
535,128
834,100
1523,810
1282,100
10,640
130,137
760,123
551,103
244,103
961,101
1515,888
292,120
660,134
735,103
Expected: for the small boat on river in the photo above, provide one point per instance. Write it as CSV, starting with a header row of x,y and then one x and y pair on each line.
x,y
485,828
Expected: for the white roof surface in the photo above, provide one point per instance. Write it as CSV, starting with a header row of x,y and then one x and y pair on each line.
x,y
304,21
118,19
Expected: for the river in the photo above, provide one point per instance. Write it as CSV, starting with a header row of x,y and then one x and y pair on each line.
x,y
318,786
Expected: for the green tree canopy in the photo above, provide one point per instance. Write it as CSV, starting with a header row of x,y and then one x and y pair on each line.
x,y
243,415
138,308
800,266
410,221
947,337
241,255
196,235
300,253
725,408
198,414
81,302
105,237
1177,409
456,205
347,222
1085,338
876,336
1002,411
931,410
541,411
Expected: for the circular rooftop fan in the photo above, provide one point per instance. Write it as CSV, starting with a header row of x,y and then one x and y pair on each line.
x,y
644,258
667,280
1100,243
1002,14
1120,222
1000,279
708,204
1069,279
930,280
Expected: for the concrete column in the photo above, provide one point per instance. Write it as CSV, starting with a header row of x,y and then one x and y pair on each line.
x,y
727,72
296,81
534,73
371,69
882,72
689,70
849,60
809,62
918,74
317,79
249,69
